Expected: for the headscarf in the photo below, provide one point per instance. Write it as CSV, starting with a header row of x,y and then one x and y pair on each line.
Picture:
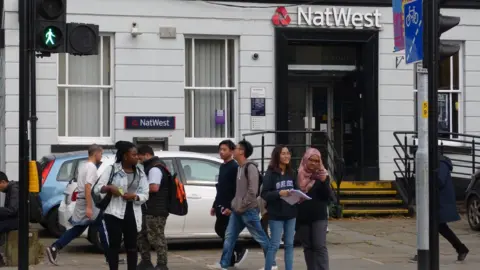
x,y
304,175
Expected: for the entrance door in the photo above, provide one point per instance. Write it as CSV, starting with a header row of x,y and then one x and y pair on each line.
x,y
319,118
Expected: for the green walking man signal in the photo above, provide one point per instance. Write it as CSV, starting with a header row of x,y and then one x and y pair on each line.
x,y
50,37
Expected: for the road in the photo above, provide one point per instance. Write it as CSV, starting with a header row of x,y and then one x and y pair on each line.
x,y
353,244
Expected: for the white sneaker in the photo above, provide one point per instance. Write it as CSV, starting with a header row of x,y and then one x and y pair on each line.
x,y
216,266
328,230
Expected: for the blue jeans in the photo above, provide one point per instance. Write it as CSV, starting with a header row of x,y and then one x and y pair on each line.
x,y
277,227
236,224
77,230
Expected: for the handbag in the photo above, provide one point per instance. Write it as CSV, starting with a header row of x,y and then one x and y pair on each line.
x,y
102,203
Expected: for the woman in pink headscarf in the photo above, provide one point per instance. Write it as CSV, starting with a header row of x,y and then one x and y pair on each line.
x,y
312,217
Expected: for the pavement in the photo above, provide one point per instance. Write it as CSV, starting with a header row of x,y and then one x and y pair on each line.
x,y
352,243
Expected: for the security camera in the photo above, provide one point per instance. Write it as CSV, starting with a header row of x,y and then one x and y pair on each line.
x,y
134,31
255,56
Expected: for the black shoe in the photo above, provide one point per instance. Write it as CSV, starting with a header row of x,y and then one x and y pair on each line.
x,y
241,256
120,261
161,267
414,259
52,253
462,253
145,265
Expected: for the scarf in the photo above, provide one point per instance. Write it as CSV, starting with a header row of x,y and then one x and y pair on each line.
x,y
305,181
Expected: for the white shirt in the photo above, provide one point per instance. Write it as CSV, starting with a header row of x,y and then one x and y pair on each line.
x,y
155,176
87,174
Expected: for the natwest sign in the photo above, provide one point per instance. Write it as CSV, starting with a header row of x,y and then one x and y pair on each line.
x,y
338,17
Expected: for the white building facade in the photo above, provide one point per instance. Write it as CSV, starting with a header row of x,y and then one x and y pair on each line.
x,y
194,61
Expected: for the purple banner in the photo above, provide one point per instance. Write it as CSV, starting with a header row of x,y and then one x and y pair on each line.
x,y
398,28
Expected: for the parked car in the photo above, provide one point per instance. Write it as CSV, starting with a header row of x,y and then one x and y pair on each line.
x,y
56,171
472,202
198,172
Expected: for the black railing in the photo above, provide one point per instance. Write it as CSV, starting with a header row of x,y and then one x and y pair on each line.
x,y
332,161
460,148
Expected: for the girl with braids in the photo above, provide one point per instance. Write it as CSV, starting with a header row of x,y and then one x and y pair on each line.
x,y
123,215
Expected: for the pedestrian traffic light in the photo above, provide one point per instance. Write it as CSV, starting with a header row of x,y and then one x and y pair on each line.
x,y
82,39
50,24
447,49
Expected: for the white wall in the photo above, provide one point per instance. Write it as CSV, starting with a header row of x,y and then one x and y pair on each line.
x,y
149,71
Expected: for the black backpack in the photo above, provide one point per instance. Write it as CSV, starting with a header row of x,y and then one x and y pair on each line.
x,y
260,176
102,203
177,198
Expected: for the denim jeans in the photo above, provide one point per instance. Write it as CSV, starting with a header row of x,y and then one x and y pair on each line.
x,y
277,228
236,224
77,230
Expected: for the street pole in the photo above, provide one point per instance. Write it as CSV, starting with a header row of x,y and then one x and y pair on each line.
x,y
431,61
23,113
421,174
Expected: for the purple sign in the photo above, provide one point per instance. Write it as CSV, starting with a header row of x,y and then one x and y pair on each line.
x,y
220,117
398,27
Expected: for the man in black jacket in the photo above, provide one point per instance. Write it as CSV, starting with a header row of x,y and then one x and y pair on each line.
x,y
155,211
226,185
9,212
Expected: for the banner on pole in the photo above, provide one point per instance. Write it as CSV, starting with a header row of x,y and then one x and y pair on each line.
x,y
398,24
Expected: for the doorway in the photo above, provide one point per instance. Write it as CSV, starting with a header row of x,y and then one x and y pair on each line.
x,y
332,91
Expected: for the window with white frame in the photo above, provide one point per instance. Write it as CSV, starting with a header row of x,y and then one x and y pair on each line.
x,y
449,96
210,88
85,86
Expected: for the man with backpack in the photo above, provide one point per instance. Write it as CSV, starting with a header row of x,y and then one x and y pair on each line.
x,y
155,210
245,212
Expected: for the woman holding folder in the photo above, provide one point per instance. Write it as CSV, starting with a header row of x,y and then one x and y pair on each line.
x,y
312,219
278,183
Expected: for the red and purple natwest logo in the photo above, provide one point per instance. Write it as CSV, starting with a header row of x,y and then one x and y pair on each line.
x,y
281,17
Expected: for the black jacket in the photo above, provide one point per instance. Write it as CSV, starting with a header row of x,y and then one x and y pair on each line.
x,y
277,208
316,208
226,186
157,204
10,209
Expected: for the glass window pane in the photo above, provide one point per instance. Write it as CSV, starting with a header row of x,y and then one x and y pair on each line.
x,y
444,75
170,167
455,107
66,171
456,71
231,63
84,70
106,112
200,170
444,113
107,80
206,103
188,114
83,112
188,62
231,114
210,63
61,112
62,78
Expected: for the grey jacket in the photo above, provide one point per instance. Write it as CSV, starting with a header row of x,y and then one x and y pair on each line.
x,y
247,189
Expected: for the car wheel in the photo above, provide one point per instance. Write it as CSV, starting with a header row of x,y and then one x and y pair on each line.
x,y
53,225
473,213
94,238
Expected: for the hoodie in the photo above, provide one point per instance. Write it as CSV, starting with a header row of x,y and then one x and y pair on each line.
x,y
246,188
273,183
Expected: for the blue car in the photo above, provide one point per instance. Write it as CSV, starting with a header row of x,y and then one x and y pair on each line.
x,y
57,170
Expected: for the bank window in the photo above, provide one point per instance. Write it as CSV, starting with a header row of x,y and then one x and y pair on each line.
x,y
210,88
449,96
85,95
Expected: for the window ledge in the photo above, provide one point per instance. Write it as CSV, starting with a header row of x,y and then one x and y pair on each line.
x,y
85,140
205,141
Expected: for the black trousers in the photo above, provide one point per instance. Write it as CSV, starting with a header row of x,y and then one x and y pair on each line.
x,y
6,226
126,227
221,227
451,237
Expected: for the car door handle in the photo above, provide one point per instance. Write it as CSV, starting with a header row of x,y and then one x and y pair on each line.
x,y
194,196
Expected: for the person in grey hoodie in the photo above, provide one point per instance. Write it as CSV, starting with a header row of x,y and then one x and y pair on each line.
x,y
245,212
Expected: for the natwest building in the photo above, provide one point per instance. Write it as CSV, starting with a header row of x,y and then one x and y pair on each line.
x,y
198,72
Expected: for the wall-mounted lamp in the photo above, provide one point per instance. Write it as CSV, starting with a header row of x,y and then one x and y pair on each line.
x,y
134,31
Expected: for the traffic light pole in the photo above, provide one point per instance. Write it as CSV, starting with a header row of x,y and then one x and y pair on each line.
x,y
431,62
25,47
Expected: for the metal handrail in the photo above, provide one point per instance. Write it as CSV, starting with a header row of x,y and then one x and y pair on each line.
x,y
333,158
464,145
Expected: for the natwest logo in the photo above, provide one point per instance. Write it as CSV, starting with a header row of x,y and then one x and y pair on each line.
x,y
281,17
338,17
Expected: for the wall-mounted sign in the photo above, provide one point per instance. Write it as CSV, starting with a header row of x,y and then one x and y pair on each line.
x,y
149,122
338,17
219,117
257,107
